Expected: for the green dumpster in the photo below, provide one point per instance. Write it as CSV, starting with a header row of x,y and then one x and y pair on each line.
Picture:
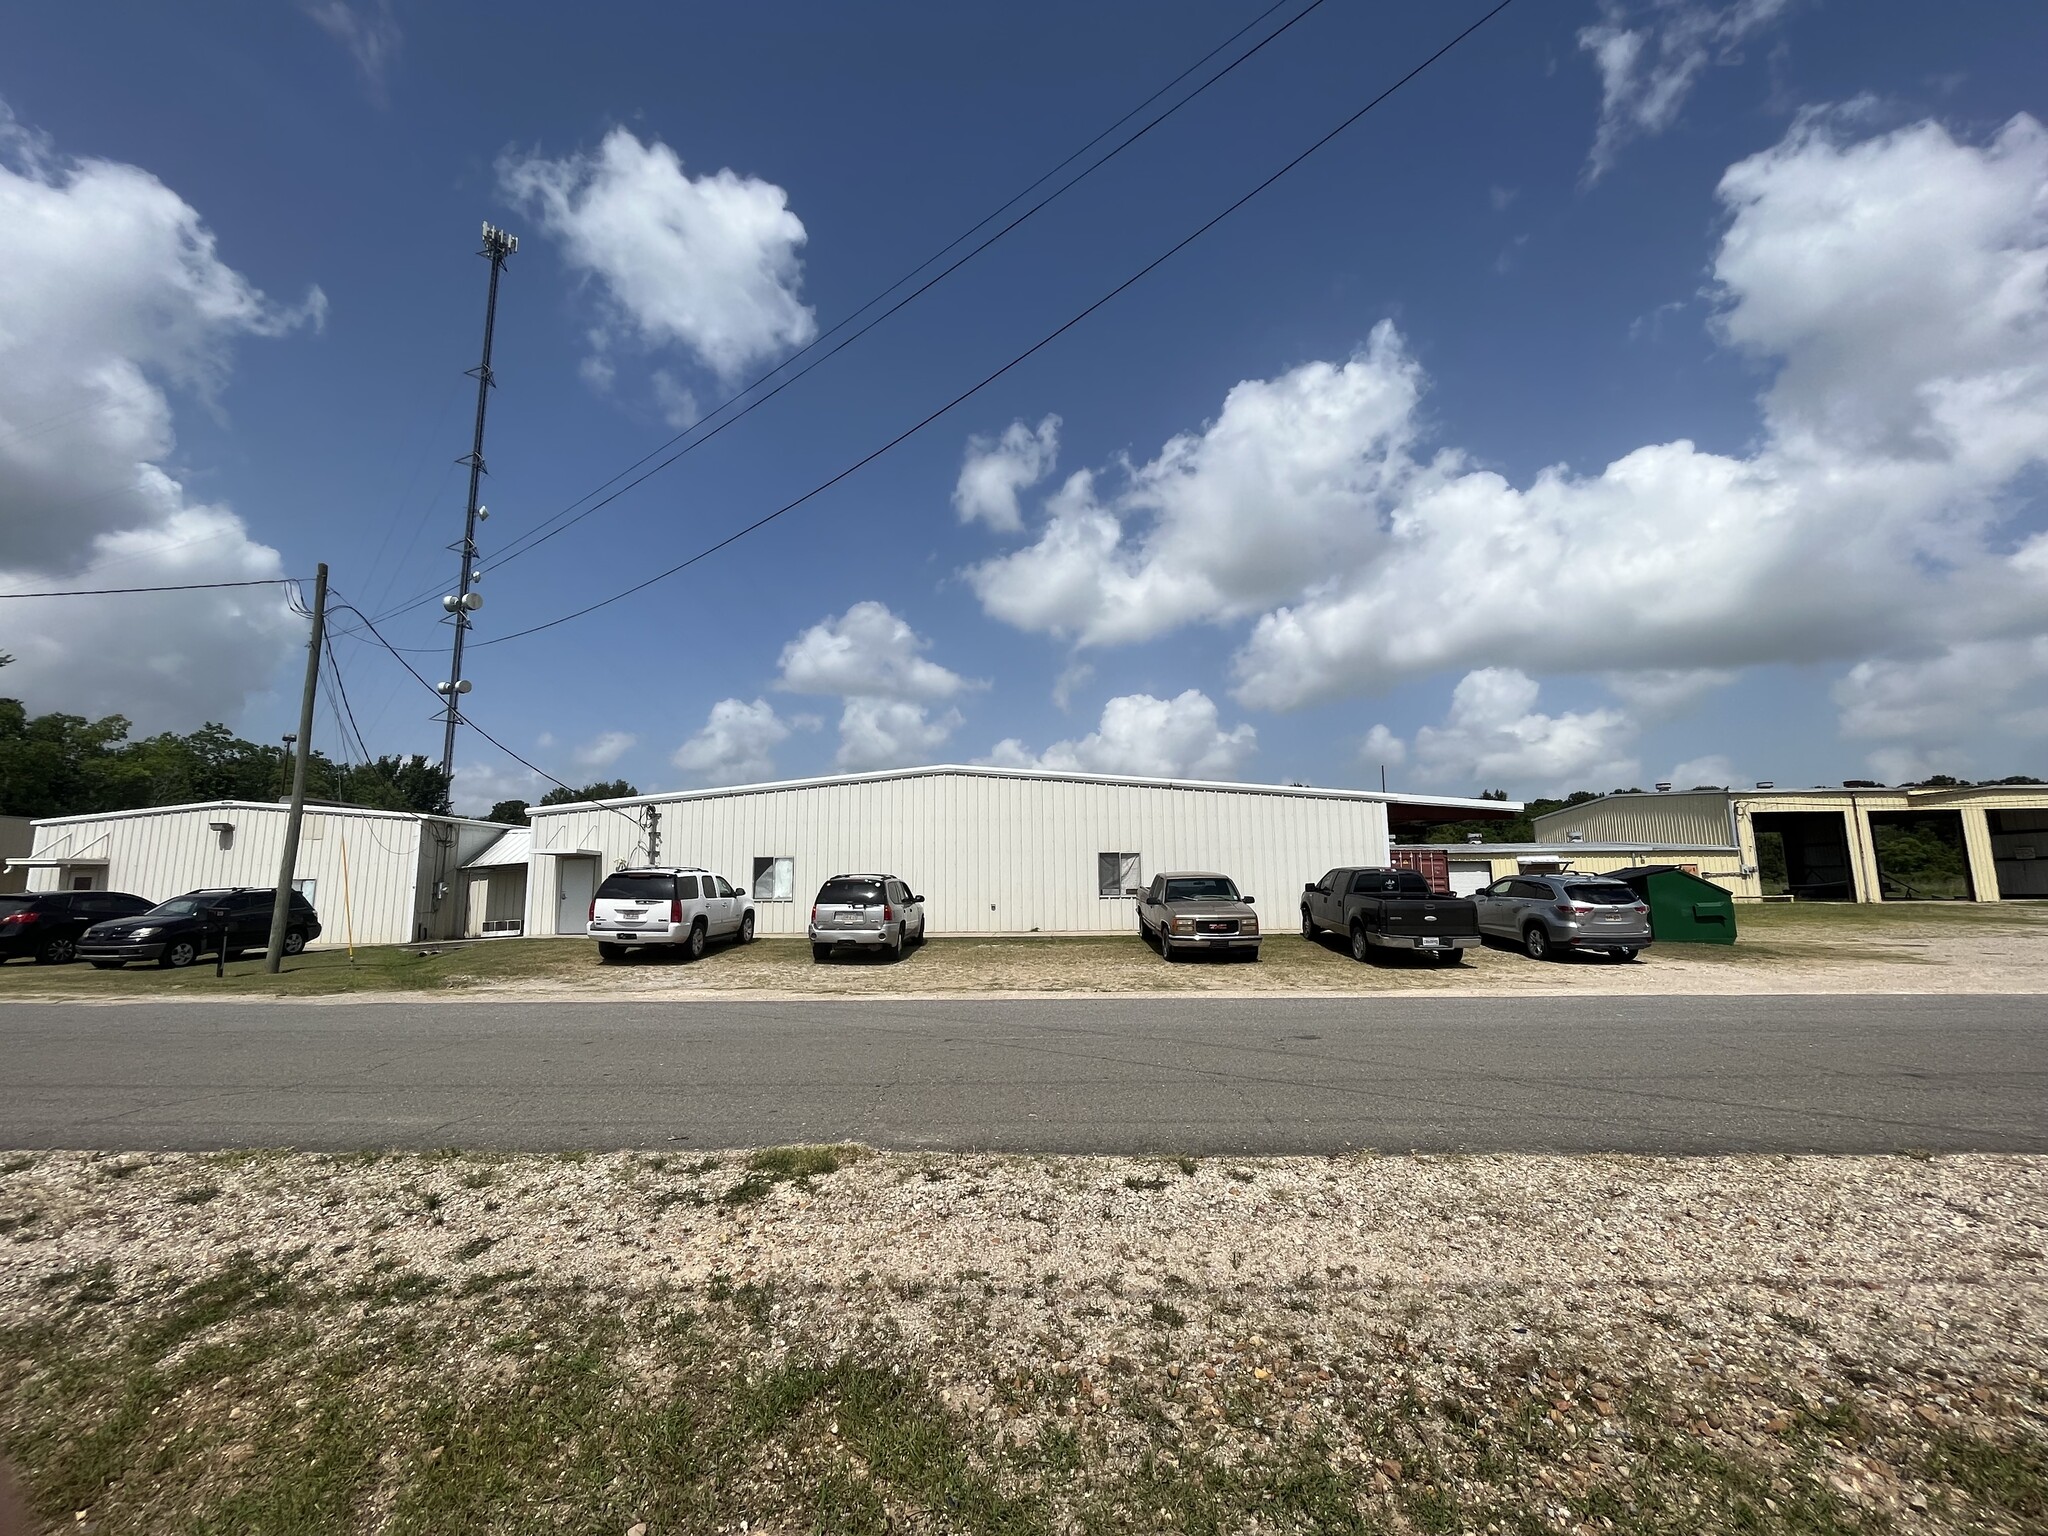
x,y
1684,909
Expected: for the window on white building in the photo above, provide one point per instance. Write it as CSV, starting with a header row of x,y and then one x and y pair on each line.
x,y
775,878
1116,873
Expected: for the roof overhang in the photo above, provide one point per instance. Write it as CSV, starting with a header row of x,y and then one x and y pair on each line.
x,y
51,861
1428,812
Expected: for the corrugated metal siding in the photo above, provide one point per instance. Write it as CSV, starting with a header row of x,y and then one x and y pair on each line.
x,y
172,851
496,894
1679,820
990,855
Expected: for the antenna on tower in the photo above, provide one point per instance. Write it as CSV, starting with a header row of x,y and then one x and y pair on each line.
x,y
464,601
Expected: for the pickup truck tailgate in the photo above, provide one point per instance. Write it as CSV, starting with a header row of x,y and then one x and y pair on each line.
x,y
1424,917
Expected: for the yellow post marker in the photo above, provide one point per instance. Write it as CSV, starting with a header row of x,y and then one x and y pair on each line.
x,y
348,916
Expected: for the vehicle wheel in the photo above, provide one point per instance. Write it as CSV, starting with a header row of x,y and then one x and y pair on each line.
x,y
57,952
294,941
1166,950
610,954
896,945
693,946
747,929
106,965
1536,941
1308,925
820,953
920,933
1361,951
1626,955
178,954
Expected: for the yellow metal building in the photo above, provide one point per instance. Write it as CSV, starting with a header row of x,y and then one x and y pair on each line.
x,y
1984,842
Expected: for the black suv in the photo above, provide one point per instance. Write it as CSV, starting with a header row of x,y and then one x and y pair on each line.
x,y
182,929
48,924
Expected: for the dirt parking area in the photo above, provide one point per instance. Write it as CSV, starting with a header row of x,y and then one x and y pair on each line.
x,y
822,1339
1813,949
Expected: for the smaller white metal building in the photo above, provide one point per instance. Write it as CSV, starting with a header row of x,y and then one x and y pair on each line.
x,y
992,850
379,877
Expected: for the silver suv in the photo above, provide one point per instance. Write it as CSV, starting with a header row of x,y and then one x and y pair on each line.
x,y
867,911
682,908
1548,914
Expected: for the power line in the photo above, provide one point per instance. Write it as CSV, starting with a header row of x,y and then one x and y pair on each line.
x,y
188,586
1044,341
341,693
533,768
541,532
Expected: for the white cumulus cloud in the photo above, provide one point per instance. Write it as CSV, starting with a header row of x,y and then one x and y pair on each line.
x,y
1494,737
1651,54
866,650
1177,738
736,745
112,296
891,733
875,663
708,262
603,750
1289,479
996,469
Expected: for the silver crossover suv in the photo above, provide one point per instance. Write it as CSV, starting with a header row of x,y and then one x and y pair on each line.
x,y
868,912
1548,914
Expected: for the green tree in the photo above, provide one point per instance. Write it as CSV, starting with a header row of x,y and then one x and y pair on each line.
x,y
513,811
396,784
609,789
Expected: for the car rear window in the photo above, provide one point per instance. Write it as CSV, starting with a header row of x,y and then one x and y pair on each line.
x,y
15,903
641,888
851,893
1609,895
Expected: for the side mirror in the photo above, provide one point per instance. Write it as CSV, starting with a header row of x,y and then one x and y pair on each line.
x,y
217,914
1310,885
917,901
1133,891
1247,900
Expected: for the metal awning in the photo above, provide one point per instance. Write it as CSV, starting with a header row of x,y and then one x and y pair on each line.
x,y
52,861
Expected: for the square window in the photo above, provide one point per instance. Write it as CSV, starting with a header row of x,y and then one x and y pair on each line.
x,y
775,878
1116,873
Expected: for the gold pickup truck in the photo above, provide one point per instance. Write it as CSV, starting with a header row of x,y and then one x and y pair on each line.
x,y
1184,912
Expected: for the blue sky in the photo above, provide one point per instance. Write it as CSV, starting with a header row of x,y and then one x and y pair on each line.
x,y
1648,391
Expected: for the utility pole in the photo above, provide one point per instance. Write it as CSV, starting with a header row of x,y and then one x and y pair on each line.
x,y
288,867
462,602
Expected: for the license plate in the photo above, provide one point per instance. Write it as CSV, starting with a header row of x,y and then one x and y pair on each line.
x,y
632,917
1430,943
851,920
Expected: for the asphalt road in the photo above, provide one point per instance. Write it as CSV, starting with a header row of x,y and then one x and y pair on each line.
x,y
1154,1075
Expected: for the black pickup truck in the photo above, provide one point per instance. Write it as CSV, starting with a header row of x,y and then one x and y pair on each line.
x,y
1389,909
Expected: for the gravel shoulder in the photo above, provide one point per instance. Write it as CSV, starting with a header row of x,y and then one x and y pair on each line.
x,y
836,1340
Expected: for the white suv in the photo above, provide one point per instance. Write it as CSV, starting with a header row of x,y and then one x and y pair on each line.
x,y
686,908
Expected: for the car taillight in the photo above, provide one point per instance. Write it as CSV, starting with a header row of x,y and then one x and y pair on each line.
x,y
814,914
675,909
19,917
1639,907
592,916
888,913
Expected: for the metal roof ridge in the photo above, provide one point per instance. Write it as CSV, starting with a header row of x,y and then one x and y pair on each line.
x,y
1055,775
261,805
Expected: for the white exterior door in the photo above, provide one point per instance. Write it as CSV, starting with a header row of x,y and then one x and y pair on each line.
x,y
1470,875
575,885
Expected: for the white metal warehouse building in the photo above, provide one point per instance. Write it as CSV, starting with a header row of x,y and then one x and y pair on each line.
x,y
383,877
992,850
